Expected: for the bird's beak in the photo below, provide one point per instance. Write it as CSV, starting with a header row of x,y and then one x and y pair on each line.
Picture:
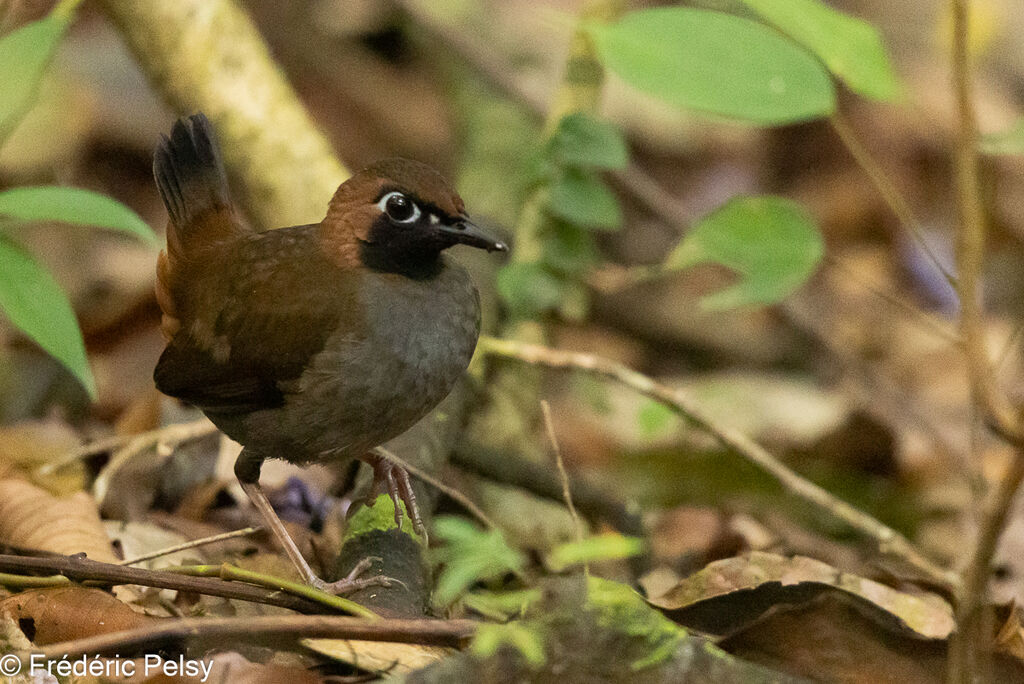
x,y
466,232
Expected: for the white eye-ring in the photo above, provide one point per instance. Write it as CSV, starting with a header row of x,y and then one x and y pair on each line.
x,y
399,208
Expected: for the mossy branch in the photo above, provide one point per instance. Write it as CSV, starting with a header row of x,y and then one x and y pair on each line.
x,y
207,55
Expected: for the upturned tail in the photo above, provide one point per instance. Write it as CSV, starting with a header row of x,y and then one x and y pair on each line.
x,y
194,187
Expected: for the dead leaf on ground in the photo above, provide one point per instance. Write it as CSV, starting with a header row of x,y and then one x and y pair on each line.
x,y
49,616
31,517
375,656
24,447
729,594
1010,638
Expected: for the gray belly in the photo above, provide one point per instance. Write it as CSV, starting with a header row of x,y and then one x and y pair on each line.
x,y
361,391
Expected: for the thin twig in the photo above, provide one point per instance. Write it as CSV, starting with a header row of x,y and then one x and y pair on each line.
x,y
265,628
970,639
549,424
195,543
888,190
888,540
90,571
168,434
926,320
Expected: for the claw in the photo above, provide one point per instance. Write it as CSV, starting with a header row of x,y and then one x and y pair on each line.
x,y
392,479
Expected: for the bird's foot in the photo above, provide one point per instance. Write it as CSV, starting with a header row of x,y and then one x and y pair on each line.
x,y
392,479
353,581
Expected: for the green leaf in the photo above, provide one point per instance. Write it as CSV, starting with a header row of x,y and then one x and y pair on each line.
x,y
770,241
25,55
569,248
501,605
717,63
580,197
1008,142
529,289
583,141
653,418
72,205
850,47
35,304
592,549
469,555
522,637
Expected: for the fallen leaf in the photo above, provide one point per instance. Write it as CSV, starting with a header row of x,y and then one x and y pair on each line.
x,y
49,616
378,656
729,594
32,518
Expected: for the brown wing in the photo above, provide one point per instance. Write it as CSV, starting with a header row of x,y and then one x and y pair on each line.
x,y
261,310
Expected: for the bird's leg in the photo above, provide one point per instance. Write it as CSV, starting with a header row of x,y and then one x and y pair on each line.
x,y
391,478
247,469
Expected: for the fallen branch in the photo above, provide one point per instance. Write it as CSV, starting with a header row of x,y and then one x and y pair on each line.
x,y
889,541
173,632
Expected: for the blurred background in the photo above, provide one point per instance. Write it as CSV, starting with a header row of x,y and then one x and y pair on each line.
x,y
854,379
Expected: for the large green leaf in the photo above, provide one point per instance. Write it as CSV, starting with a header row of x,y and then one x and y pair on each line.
x,y
769,241
850,47
581,197
717,63
72,205
35,303
24,56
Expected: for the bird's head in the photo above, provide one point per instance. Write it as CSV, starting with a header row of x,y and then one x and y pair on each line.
x,y
399,215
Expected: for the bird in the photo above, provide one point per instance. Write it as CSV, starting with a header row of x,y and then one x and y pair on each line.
x,y
314,343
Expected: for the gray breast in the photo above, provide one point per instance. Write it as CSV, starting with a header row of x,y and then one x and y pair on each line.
x,y
361,392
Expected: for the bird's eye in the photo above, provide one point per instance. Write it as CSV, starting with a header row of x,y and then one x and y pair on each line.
x,y
399,208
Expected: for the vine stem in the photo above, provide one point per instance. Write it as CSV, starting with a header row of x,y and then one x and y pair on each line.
x,y
970,638
889,542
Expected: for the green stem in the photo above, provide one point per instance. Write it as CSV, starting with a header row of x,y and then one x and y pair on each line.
x,y
226,571
13,581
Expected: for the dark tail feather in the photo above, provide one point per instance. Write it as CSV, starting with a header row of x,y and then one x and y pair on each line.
x,y
189,172
190,177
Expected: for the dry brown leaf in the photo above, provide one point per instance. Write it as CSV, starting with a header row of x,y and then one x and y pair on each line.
x,y
1010,639
65,613
25,447
733,592
376,656
31,517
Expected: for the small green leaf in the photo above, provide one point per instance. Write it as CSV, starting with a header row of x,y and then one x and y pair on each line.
x,y
1008,142
770,241
592,549
72,205
850,47
35,304
529,289
469,555
501,605
25,54
569,248
528,641
653,418
583,141
580,197
717,63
